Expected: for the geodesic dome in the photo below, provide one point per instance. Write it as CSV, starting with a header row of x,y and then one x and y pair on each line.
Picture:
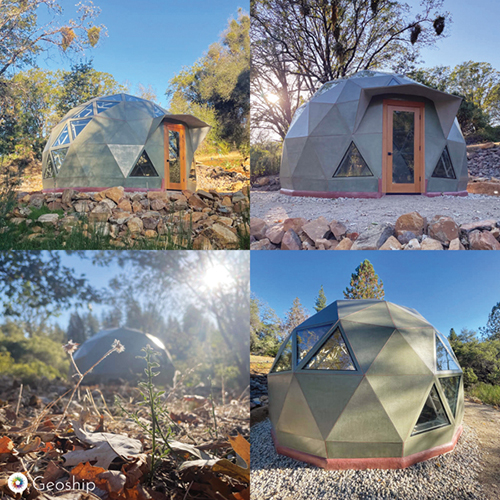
x,y
375,133
365,384
122,140
124,365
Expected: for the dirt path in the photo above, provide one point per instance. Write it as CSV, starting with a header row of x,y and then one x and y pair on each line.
x,y
486,422
359,214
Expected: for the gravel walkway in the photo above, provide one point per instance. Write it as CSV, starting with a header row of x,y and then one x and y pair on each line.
x,y
448,477
358,214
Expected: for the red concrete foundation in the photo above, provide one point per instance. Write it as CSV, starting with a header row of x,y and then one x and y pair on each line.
x,y
359,194
367,463
97,189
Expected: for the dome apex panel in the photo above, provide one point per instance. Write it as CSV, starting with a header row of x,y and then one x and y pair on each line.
x,y
376,314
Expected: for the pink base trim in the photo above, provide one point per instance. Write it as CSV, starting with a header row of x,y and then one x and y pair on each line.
x,y
97,189
332,194
449,193
367,463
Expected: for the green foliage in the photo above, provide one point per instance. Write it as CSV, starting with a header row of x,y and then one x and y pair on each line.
x,y
492,329
217,87
470,378
365,283
265,329
296,315
320,303
265,158
487,393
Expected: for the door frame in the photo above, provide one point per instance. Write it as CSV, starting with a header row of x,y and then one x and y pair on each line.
x,y
175,127
418,108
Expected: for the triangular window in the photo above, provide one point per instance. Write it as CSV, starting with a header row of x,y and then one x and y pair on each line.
x,y
49,169
104,105
433,414
144,167
444,360
59,155
78,125
333,355
284,362
63,137
326,87
450,387
307,338
393,82
444,168
297,113
353,164
86,111
158,111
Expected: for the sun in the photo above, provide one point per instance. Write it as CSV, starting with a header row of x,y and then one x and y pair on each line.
x,y
216,276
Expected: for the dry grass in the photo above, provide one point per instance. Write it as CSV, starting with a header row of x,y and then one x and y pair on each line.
x,y
260,365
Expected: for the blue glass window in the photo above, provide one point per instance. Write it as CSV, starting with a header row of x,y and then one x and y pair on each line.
x,y
58,155
158,111
78,125
86,111
103,105
63,137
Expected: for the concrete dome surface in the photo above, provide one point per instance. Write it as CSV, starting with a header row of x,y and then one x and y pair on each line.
x,y
365,384
375,133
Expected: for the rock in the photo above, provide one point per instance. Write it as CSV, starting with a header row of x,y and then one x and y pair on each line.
x,y
110,203
317,228
135,225
150,222
406,237
125,205
227,202
181,203
480,225
431,244
102,228
291,241
295,223
456,245
150,233
158,204
263,244
55,205
204,194
391,244
136,206
323,242
222,236
48,219
275,234
196,202
338,229
443,229
19,220
114,193
413,222
67,196
36,200
258,228
158,195
483,241
202,243
373,238
224,220
413,245
495,232
101,213
345,244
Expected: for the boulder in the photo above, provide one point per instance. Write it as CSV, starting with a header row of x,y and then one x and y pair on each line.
x,y
413,222
222,236
82,206
406,237
202,243
295,223
114,193
482,240
196,202
456,245
324,244
317,228
101,213
204,194
480,225
443,229
158,195
150,233
135,225
158,204
291,241
345,244
258,228
263,244
338,229
67,196
125,205
391,244
48,219
275,234
36,200
373,238
431,244
413,245
109,202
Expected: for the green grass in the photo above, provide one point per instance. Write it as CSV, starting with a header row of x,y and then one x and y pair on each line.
x,y
487,393
38,212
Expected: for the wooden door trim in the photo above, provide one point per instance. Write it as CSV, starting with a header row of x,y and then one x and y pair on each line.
x,y
176,127
389,105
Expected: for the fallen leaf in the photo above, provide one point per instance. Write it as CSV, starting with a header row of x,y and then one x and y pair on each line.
x,y
224,466
112,481
52,473
6,445
30,447
242,448
178,446
89,473
242,495
136,470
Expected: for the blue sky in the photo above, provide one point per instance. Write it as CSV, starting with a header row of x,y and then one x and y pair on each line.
x,y
474,34
450,289
150,41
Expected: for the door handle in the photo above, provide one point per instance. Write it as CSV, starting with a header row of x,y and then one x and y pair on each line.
x,y
389,154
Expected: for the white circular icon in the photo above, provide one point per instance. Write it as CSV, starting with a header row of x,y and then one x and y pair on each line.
x,y
17,482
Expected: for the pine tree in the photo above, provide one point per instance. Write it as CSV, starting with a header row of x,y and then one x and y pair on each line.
x,y
76,329
296,315
320,300
492,329
365,283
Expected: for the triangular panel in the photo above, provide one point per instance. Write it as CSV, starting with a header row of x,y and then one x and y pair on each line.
x,y
329,151
77,126
326,399
326,315
398,358
444,360
125,135
85,112
331,124
393,82
401,398
296,416
433,414
103,106
404,319
333,354
308,337
309,165
141,128
422,342
376,314
346,307
300,123
62,138
49,171
72,166
366,341
317,111
444,168
277,388
353,164
144,167
125,156
284,362
58,156
451,388
364,419
349,111
329,92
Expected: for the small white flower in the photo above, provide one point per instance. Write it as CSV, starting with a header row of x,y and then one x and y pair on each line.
x,y
118,346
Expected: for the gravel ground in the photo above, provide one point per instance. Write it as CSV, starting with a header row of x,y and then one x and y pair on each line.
x,y
358,214
448,477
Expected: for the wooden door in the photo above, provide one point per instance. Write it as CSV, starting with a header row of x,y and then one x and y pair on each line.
x,y
403,162
175,156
